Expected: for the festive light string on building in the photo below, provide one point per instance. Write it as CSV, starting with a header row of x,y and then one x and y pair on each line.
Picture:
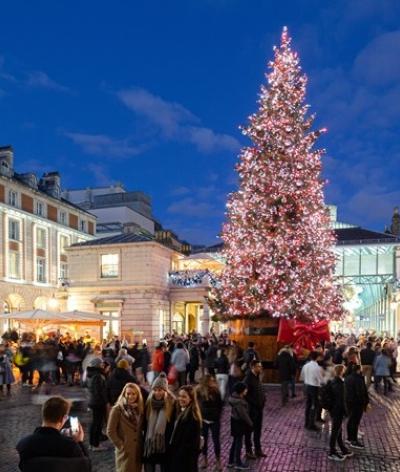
x,y
277,241
192,279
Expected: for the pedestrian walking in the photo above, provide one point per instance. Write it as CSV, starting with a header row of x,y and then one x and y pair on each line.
x,y
98,400
221,366
180,359
382,364
367,356
256,399
210,403
311,374
287,370
241,424
357,401
124,428
337,411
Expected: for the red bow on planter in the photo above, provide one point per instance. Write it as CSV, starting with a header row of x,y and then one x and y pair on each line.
x,y
303,336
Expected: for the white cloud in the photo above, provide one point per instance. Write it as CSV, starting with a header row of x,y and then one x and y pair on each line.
x,y
167,115
176,122
39,79
103,145
100,174
378,63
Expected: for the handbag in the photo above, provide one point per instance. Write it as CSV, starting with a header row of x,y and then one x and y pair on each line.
x,y
172,375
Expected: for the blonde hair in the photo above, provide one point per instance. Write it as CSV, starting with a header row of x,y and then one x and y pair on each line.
x,y
122,399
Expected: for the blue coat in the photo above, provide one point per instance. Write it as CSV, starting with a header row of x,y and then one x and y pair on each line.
x,y
6,373
382,365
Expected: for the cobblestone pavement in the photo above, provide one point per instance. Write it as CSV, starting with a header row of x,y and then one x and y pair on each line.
x,y
287,445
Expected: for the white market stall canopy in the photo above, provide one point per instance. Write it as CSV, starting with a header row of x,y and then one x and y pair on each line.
x,y
71,316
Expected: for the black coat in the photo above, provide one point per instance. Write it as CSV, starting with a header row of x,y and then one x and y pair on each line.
x,y
338,409
97,388
211,408
367,356
47,442
286,365
255,394
116,382
356,393
221,364
184,446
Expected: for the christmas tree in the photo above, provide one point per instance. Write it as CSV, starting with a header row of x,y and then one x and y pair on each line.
x,y
277,241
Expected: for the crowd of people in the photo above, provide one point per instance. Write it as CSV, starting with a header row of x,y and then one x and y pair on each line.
x,y
337,377
161,408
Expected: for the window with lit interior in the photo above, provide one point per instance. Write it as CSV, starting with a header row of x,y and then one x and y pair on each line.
x,y
109,266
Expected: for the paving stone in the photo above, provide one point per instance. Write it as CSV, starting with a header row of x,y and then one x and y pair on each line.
x,y
288,446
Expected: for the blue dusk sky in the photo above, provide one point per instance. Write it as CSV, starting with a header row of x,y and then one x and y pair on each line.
x,y
152,93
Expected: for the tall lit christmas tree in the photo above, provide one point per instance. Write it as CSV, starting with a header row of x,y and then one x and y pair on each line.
x,y
277,240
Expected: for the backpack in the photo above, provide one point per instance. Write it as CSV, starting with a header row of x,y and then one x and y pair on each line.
x,y
327,397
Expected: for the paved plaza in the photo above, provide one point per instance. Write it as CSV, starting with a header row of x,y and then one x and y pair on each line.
x,y
287,445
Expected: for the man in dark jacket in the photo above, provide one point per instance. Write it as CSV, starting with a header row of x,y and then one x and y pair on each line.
x,y
367,357
256,399
249,355
337,412
98,400
287,370
48,444
357,400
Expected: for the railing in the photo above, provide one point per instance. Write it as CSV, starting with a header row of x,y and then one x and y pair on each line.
x,y
192,278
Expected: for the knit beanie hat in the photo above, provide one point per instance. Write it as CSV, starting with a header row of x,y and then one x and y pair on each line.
x,y
123,364
240,387
96,362
160,382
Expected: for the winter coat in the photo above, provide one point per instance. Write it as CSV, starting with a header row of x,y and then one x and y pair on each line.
x,y
250,355
221,365
127,439
6,373
286,365
211,408
338,409
210,356
240,419
367,356
356,393
180,359
97,388
194,357
184,446
116,382
157,364
255,394
382,365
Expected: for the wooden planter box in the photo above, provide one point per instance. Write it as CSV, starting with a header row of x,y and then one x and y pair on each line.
x,y
263,332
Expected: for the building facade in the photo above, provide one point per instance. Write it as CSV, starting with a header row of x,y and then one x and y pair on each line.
x,y
36,227
114,207
126,278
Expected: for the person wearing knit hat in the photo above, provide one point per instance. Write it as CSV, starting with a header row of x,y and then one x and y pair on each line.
x,y
160,382
96,362
160,415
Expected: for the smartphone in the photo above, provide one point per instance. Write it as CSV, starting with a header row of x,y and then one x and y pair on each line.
x,y
74,423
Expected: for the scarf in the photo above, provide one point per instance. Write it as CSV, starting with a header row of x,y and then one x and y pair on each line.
x,y
157,424
130,411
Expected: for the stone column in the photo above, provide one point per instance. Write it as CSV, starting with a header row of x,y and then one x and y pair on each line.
x,y
205,320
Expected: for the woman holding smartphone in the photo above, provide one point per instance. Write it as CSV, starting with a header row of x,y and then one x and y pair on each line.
x,y
124,429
